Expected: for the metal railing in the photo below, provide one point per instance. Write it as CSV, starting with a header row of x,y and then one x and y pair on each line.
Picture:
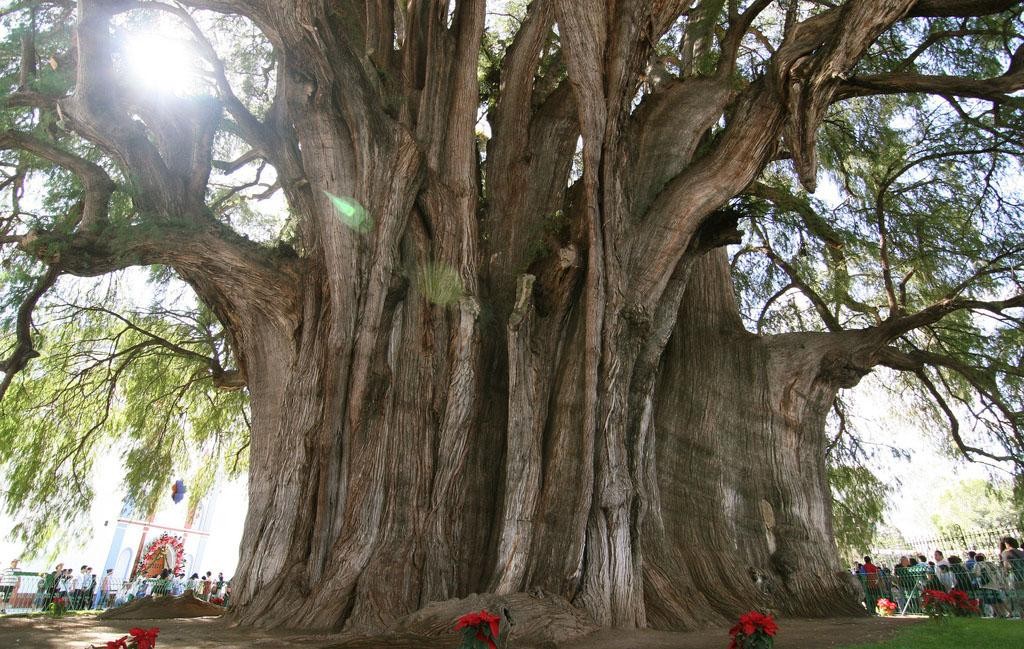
x,y
998,586
889,549
24,592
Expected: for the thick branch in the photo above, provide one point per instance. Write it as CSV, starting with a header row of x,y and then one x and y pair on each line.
x,y
994,89
98,185
23,350
961,8
894,327
734,37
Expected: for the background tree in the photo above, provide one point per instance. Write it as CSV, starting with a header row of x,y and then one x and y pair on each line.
x,y
976,505
523,345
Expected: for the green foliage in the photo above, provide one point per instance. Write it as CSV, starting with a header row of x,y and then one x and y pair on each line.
x,y
136,384
976,504
858,507
920,207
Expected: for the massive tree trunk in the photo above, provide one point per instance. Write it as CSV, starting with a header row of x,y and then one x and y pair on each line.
x,y
534,433
489,375
356,520
745,507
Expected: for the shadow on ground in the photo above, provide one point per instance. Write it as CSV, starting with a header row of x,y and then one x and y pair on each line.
x,y
207,633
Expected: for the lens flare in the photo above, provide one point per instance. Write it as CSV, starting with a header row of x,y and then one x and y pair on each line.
x,y
351,213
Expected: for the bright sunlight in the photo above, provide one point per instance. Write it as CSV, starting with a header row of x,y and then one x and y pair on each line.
x,y
165,62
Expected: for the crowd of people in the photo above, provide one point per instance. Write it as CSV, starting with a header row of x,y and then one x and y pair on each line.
x,y
997,582
212,589
86,590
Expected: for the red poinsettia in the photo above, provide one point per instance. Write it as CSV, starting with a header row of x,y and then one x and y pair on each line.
x,y
753,631
885,606
120,643
956,602
481,629
144,638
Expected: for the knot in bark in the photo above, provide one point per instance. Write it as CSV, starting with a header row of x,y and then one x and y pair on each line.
x,y
843,371
638,319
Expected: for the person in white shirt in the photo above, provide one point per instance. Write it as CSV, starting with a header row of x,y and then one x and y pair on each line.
x,y
81,588
65,586
940,560
945,577
8,582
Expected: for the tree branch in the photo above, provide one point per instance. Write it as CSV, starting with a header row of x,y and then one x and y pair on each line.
x,y
954,423
827,317
23,350
960,8
894,327
994,89
98,185
222,378
734,37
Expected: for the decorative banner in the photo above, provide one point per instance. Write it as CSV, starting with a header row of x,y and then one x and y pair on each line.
x,y
178,491
163,552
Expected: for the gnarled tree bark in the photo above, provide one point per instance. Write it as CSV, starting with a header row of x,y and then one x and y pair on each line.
x,y
590,417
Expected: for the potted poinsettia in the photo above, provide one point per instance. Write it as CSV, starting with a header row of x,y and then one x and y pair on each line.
x,y
754,631
479,630
58,607
885,607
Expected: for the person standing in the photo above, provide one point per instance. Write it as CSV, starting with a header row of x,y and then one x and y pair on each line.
x,y
1012,558
90,592
81,587
207,585
992,586
106,585
872,584
8,584
53,580
65,587
904,583
961,577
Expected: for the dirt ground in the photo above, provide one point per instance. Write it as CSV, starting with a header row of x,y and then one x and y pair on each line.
x,y
204,633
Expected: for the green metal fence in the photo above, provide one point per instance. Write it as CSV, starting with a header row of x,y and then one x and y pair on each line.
x,y
26,592
998,586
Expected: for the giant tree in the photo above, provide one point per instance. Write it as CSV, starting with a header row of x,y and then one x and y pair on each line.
x,y
497,342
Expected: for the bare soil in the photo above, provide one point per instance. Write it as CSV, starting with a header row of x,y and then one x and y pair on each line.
x,y
163,607
206,633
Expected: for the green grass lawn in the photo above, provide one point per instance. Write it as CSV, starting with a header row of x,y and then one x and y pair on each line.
x,y
956,633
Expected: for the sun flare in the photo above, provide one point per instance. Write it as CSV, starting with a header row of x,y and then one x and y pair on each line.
x,y
163,63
